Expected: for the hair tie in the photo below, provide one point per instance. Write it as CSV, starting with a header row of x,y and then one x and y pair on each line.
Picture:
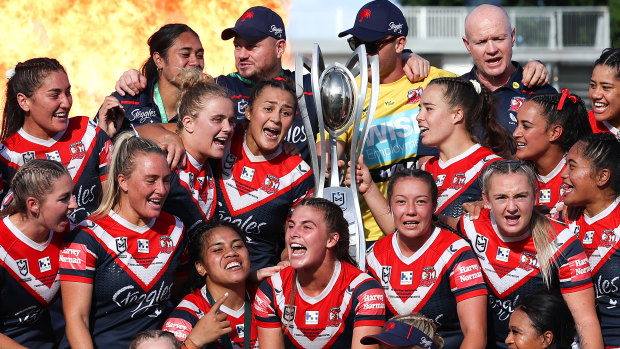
x,y
477,86
279,78
10,73
566,94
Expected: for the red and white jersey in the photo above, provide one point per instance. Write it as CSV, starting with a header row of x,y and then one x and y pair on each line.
x,y
350,299
600,236
443,272
457,178
601,126
551,190
257,193
194,306
512,270
83,148
132,270
29,283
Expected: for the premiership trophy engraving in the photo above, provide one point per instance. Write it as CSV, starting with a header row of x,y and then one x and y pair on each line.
x,y
339,99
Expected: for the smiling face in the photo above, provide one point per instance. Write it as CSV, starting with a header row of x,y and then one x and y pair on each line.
x,y
225,258
47,111
185,53
605,94
258,60
489,40
271,116
435,117
210,130
511,199
579,176
143,192
307,238
532,135
412,209
523,335
57,204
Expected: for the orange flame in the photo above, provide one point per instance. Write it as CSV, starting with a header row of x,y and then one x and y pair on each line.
x,y
96,41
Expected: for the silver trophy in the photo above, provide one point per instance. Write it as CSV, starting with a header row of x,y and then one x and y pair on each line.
x,y
339,99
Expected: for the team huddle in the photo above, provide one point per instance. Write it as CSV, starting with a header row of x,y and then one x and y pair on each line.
x,y
184,214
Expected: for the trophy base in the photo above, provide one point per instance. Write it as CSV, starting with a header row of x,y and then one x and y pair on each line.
x,y
345,199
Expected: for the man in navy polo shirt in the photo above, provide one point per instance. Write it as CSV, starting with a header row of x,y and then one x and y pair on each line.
x,y
489,38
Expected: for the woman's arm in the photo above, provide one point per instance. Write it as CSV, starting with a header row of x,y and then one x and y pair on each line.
x,y
76,299
8,343
473,319
269,338
164,135
581,305
359,333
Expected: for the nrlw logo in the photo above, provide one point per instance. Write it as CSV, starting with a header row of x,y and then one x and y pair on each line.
x,y
22,266
121,244
386,272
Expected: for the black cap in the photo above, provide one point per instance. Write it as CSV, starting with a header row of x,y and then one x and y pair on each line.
x,y
256,24
376,20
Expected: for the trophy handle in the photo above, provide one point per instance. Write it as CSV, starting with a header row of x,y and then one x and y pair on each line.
x,y
318,65
372,104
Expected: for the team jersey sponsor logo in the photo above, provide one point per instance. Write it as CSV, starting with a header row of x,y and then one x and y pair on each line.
x,y
143,246
386,272
429,276
30,315
140,302
365,13
458,181
481,243
271,184
608,238
372,302
413,96
440,179
312,317
27,156
54,155
166,244
73,257
406,277
179,327
247,174
515,103
240,332
45,264
467,274
78,150
334,317
144,116
544,196
528,261
502,254
22,266
121,244
588,237
579,267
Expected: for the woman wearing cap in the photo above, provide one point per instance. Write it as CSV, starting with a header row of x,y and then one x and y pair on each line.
x,y
407,332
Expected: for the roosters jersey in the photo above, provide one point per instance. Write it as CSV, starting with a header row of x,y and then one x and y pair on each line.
x,y
441,273
601,126
512,270
257,192
83,148
350,299
393,139
600,236
457,178
240,89
551,190
194,306
132,270
28,284
192,193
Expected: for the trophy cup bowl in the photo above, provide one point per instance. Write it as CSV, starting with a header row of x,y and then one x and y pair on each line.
x,y
337,98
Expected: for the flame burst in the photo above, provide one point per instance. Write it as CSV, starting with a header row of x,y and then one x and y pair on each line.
x,y
96,41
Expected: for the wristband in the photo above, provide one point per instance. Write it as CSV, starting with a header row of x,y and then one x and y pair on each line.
x,y
189,344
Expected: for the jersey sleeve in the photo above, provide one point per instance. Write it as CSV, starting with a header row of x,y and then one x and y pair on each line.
x,y
304,188
264,306
78,257
181,204
466,280
104,148
183,319
369,304
574,269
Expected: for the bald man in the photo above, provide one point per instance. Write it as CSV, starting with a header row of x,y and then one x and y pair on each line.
x,y
489,38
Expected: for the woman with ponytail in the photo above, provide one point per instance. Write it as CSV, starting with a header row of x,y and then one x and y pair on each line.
x,y
452,112
592,179
322,300
521,252
547,127
36,125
